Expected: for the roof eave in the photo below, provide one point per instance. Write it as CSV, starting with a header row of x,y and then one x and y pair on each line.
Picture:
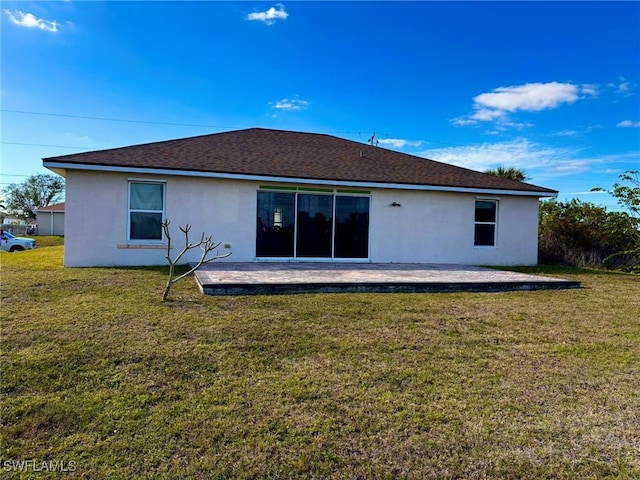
x,y
63,166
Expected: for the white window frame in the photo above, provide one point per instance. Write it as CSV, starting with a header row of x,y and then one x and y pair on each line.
x,y
130,210
494,223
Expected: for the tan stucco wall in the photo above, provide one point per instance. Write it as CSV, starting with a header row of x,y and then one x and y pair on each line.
x,y
435,227
429,227
96,223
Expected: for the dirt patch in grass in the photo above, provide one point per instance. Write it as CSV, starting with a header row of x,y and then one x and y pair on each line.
x,y
97,370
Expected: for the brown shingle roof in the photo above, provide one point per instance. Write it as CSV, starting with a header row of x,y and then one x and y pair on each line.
x,y
278,153
58,207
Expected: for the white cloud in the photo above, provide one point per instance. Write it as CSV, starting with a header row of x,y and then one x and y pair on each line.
x,y
287,104
576,133
508,123
590,89
497,105
462,122
572,166
528,97
487,114
628,124
270,16
399,142
29,20
565,133
539,161
623,87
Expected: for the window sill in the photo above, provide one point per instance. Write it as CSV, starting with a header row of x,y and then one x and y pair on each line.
x,y
146,246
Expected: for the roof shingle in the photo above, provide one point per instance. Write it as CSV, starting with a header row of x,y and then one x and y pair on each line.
x,y
288,154
58,207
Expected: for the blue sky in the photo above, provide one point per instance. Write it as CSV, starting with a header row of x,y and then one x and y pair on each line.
x,y
553,88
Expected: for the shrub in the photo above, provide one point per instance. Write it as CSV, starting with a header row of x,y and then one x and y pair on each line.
x,y
583,234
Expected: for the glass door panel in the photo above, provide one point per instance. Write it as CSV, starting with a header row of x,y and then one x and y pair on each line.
x,y
275,224
315,219
352,227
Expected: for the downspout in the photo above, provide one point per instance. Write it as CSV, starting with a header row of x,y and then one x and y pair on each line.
x,y
52,213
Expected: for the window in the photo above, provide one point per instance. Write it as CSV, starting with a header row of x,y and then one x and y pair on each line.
x,y
485,223
146,210
312,225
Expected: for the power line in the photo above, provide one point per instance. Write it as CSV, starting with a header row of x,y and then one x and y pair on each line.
x,y
150,122
41,145
83,117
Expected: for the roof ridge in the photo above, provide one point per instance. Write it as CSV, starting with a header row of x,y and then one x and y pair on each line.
x,y
266,152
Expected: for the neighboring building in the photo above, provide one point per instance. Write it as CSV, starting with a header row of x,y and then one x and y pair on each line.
x,y
17,226
50,220
285,196
9,220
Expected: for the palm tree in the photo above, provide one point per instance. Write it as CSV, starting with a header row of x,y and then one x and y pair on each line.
x,y
513,173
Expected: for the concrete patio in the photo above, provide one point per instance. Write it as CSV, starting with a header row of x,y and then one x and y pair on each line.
x,y
265,278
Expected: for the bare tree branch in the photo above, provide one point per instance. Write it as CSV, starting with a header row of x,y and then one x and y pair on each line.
x,y
206,244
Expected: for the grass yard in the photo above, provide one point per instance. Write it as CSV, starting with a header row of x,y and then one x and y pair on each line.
x,y
99,373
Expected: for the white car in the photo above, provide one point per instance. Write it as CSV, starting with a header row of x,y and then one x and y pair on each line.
x,y
11,243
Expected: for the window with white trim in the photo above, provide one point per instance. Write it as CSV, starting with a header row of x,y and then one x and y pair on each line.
x,y
486,219
146,211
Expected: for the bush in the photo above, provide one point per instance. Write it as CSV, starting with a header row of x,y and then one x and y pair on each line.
x,y
582,234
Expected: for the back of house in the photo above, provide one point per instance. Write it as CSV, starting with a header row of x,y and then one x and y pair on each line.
x,y
273,195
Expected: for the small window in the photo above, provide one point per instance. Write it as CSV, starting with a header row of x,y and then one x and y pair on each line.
x,y
146,211
485,223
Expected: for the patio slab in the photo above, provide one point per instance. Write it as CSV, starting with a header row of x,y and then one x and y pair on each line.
x,y
266,278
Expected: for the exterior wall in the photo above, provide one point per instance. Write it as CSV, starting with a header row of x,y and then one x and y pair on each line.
x,y
428,227
50,223
435,227
96,223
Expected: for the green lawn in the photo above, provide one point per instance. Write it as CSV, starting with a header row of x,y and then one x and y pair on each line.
x,y
98,371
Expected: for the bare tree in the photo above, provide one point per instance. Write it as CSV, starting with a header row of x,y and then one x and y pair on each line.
x,y
206,244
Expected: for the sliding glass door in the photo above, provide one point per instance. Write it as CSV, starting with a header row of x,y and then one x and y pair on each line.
x,y
276,224
352,227
315,223
309,225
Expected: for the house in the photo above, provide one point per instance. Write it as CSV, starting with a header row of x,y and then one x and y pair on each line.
x,y
50,220
291,196
16,225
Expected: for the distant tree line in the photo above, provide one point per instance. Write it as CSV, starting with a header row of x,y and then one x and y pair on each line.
x,y
582,234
